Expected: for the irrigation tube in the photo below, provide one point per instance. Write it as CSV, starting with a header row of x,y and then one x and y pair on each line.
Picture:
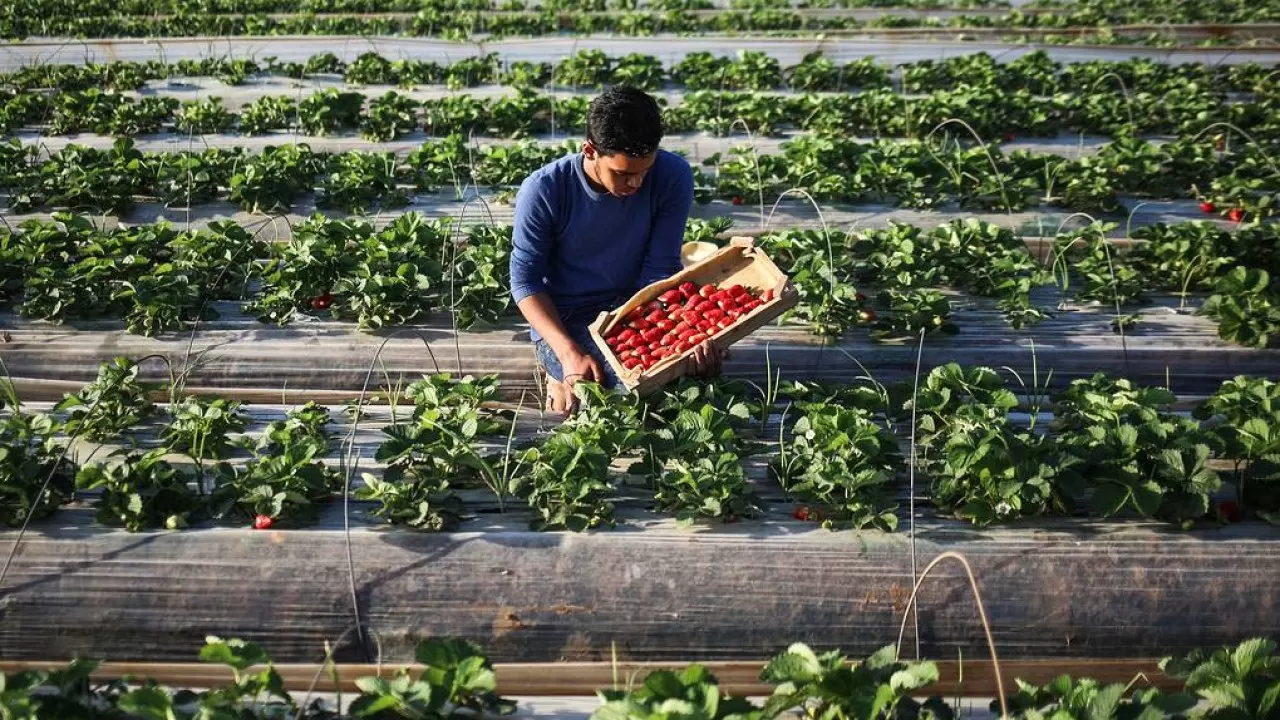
x,y
982,615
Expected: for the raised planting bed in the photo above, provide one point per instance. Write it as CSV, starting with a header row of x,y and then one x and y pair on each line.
x,y
649,590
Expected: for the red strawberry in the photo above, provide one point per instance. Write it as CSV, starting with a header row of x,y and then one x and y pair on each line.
x,y
1008,137
860,297
802,513
322,302
1229,511
263,522
867,316
1207,207
1235,214
737,200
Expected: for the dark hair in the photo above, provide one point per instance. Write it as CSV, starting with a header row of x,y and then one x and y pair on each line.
x,y
624,119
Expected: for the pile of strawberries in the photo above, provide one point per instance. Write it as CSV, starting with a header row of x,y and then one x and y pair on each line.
x,y
678,320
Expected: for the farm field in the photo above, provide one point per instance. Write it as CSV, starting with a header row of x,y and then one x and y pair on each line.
x,y
264,380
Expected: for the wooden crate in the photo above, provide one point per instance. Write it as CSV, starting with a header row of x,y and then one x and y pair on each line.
x,y
739,263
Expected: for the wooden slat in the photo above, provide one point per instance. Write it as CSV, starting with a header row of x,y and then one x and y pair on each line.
x,y
970,678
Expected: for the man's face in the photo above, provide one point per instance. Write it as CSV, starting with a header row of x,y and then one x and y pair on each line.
x,y
620,174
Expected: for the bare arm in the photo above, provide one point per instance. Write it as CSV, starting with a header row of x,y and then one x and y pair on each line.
x,y
578,364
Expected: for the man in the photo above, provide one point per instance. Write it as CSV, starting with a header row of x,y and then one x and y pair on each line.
x,y
593,228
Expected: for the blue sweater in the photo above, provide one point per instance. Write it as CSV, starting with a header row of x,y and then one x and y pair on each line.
x,y
590,251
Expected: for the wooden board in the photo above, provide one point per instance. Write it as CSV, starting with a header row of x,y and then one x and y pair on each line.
x,y
969,678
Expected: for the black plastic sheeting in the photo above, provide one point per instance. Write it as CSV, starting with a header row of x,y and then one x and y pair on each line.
x,y
654,591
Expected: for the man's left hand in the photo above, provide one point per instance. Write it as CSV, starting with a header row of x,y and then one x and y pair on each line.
x,y
707,360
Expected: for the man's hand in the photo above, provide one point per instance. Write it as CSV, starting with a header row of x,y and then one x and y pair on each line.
x,y
577,366
707,360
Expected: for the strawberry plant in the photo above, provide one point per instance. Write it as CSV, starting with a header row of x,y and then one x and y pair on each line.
x,y
586,68
827,686
110,405
208,116
998,473
566,482
1064,697
481,276
185,178
30,456
1106,279
146,115
1240,682
368,69
911,311
378,278
710,487
440,441
437,449
269,112
397,273
256,687
306,425
356,181
1247,415
1246,307
456,680
200,426
64,692
389,117
1136,454
272,180
638,70
140,491
79,177
328,110
692,694
306,268
418,504
289,486
844,460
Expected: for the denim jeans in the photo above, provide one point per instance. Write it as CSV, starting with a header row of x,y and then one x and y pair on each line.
x,y
576,324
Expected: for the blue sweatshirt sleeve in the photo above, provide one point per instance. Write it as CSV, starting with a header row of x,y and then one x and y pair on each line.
x,y
531,236
666,235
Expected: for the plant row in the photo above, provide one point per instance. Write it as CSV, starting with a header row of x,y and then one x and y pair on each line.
x,y
1035,72
452,678
158,279
1100,446
934,172
223,7
459,25
990,112
889,280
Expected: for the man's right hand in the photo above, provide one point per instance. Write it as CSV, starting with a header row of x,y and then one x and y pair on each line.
x,y
577,366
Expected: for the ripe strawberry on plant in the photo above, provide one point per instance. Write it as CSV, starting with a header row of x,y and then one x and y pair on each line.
x,y
322,302
1235,214
866,315
802,513
737,200
1208,207
1008,137
1228,511
263,522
